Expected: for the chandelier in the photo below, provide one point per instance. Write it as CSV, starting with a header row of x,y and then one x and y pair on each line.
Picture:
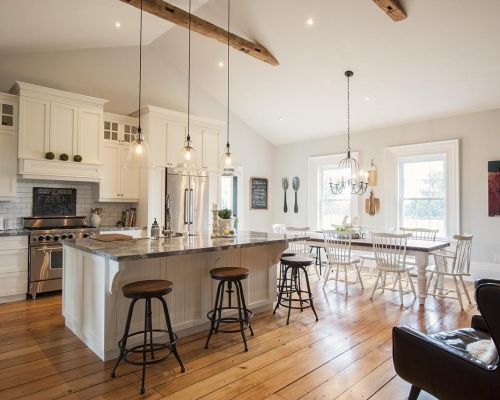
x,y
350,177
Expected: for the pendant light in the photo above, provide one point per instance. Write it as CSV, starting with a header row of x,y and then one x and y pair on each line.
x,y
227,159
350,177
188,157
138,154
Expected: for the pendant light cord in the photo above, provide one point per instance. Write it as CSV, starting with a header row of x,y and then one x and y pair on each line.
x,y
228,35
189,77
348,118
140,75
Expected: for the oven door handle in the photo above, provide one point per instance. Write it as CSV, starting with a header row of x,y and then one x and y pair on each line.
x,y
44,249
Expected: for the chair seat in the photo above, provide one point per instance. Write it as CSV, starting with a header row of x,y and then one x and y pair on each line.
x,y
354,260
229,273
458,341
395,268
297,261
153,287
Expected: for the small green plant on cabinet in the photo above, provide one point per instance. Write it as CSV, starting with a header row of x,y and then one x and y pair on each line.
x,y
49,155
225,213
77,158
64,157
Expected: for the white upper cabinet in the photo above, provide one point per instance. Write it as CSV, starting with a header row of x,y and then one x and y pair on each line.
x,y
33,127
118,183
8,146
211,155
90,122
166,131
63,129
59,122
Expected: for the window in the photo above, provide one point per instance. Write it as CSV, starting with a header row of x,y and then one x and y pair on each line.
x,y
229,193
325,208
422,192
332,208
423,187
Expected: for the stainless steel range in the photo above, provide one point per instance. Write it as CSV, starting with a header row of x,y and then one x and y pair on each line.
x,y
46,253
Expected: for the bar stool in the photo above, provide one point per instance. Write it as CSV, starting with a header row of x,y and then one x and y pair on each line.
x,y
147,290
229,276
290,286
283,266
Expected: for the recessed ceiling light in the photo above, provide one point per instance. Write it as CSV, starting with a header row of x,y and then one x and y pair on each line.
x,y
310,21
221,64
367,98
281,118
117,24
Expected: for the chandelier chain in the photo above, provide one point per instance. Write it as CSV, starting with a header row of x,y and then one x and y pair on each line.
x,y
348,117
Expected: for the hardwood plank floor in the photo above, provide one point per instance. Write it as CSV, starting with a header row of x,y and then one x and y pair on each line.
x,y
347,354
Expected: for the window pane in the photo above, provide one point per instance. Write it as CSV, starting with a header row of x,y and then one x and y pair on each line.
x,y
423,179
8,109
333,212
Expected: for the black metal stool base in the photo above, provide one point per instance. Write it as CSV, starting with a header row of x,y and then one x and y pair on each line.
x,y
147,347
242,317
292,285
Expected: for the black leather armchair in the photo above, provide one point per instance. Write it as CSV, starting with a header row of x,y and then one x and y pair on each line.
x,y
440,364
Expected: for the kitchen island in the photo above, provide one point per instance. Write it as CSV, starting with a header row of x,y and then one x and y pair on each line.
x,y
94,272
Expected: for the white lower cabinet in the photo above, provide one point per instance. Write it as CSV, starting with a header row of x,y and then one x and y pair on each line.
x,y
13,268
118,183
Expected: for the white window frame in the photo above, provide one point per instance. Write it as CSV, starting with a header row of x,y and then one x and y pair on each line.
x,y
314,165
451,150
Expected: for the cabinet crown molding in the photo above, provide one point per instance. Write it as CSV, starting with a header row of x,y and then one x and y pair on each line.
x,y
180,116
32,90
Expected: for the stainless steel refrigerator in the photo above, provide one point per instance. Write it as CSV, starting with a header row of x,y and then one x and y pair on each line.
x,y
189,206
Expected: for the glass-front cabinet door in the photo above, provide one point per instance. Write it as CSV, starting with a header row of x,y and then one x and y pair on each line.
x,y
111,131
119,128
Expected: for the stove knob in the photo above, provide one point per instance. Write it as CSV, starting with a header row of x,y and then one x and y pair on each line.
x,y
86,235
56,238
41,238
48,237
71,236
64,236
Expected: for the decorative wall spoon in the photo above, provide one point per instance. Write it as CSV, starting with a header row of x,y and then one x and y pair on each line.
x,y
284,184
295,186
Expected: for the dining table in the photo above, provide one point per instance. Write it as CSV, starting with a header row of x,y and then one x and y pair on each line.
x,y
421,250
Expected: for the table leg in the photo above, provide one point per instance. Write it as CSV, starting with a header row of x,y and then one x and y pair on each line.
x,y
320,263
421,260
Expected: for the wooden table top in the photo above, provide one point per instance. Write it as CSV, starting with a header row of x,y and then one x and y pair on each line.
x,y
425,246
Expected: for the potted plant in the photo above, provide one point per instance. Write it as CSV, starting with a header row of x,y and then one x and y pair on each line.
x,y
225,221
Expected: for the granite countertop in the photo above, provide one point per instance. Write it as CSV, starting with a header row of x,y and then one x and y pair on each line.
x,y
14,232
139,249
121,228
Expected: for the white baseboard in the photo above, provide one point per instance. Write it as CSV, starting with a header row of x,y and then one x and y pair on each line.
x,y
480,270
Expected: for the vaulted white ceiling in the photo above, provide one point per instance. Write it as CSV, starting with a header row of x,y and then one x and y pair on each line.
x,y
443,60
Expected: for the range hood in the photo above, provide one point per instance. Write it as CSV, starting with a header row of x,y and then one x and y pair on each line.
x,y
59,170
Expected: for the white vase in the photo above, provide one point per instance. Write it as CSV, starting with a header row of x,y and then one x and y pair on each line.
x,y
225,224
95,220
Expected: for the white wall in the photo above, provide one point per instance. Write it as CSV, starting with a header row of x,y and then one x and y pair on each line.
x,y
479,135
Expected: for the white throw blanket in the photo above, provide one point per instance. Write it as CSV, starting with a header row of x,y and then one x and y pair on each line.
x,y
484,350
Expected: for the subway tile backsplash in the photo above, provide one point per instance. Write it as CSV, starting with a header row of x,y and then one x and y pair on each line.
x,y
87,197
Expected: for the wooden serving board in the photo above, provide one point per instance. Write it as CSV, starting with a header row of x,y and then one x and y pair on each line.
x,y
111,237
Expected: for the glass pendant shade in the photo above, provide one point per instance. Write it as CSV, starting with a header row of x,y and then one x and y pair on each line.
x,y
139,155
227,164
188,161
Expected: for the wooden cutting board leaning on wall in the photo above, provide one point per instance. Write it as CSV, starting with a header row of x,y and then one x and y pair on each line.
x,y
372,204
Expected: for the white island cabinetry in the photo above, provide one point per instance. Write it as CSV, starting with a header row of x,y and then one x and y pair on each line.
x,y
95,309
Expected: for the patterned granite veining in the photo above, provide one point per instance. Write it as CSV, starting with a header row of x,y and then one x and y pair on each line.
x,y
14,232
140,249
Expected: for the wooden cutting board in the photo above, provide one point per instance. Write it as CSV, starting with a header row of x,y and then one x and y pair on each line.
x,y
111,237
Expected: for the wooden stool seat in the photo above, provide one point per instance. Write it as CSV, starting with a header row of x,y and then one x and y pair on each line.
x,y
288,254
297,261
229,273
150,288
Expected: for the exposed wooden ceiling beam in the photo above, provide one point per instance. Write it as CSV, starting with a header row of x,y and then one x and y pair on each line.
x,y
392,8
180,17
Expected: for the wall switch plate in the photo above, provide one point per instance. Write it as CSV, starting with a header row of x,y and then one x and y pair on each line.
x,y
497,258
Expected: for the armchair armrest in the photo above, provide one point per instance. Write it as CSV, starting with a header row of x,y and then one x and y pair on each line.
x,y
479,324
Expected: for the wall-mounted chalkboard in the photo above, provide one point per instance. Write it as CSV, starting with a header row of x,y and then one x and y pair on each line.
x,y
54,201
259,188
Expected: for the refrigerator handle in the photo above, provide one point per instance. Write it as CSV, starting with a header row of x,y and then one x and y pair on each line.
x,y
186,206
191,206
